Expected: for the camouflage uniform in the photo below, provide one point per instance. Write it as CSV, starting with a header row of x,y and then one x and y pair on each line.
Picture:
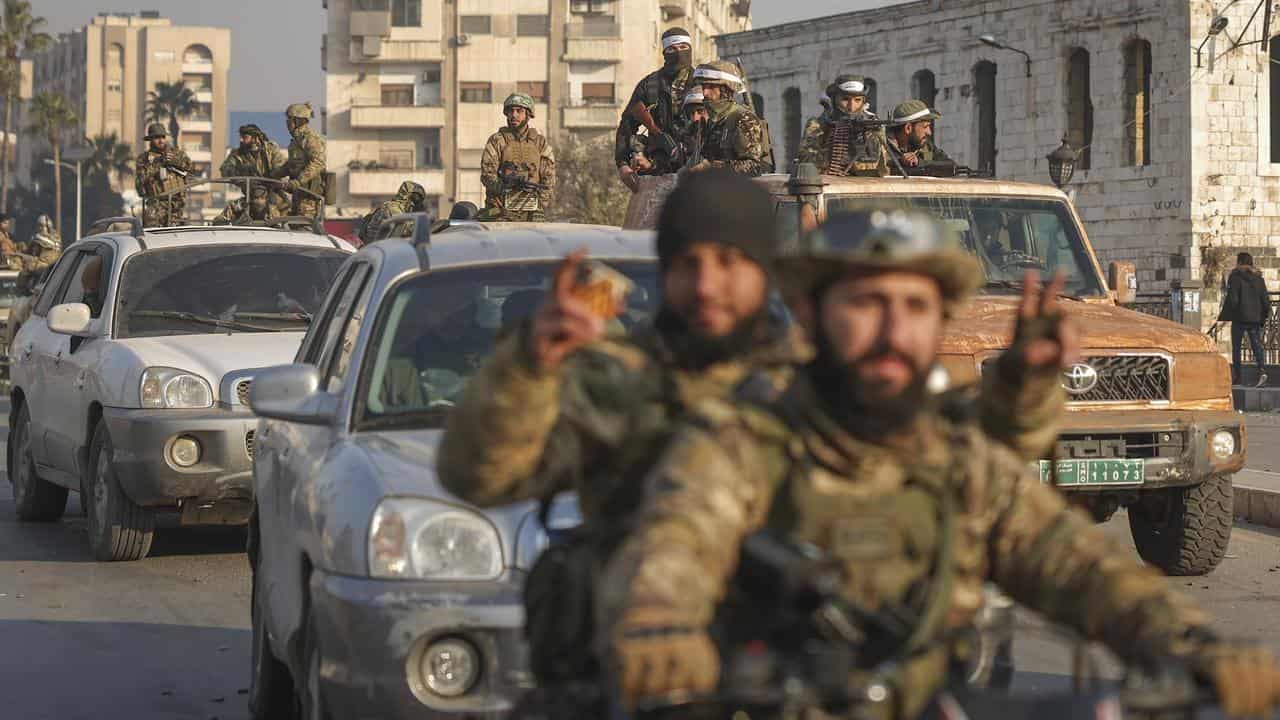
x,y
735,138
155,175
410,198
305,164
930,152
866,145
7,246
264,161
235,213
534,159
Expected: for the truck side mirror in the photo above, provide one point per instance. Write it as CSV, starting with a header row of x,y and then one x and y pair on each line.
x,y
1123,279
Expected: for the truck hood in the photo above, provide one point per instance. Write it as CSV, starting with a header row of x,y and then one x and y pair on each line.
x,y
213,356
986,324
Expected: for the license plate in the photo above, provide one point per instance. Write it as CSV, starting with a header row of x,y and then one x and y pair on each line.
x,y
1095,472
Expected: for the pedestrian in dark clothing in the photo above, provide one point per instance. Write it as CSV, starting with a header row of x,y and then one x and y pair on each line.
x,y
1247,307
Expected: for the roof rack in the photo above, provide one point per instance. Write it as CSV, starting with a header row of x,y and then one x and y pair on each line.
x,y
135,225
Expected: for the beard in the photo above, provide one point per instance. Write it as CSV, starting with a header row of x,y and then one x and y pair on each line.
x,y
858,406
696,351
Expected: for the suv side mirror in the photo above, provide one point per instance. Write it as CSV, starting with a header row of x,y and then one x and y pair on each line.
x,y
1123,279
70,319
292,393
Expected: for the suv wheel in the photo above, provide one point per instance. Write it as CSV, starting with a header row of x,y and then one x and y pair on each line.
x,y
1184,530
34,499
119,529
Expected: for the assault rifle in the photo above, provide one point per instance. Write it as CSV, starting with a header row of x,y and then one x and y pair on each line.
x,y
660,142
511,179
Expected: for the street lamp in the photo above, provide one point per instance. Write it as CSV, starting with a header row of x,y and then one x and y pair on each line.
x,y
1062,163
990,40
76,155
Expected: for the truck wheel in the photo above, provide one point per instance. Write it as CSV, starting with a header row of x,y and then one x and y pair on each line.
x,y
119,529
270,687
34,499
1184,530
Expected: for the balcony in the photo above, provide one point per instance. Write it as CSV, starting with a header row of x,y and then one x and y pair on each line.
x,y
371,23
381,50
204,95
380,117
674,8
198,67
385,183
592,116
598,42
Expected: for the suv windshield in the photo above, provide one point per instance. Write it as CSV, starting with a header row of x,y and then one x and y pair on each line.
x,y
223,288
1009,236
436,329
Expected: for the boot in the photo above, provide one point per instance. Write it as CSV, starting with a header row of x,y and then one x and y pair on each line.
x,y
1262,379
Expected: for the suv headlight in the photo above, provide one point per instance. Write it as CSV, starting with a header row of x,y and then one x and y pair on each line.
x,y
411,538
164,387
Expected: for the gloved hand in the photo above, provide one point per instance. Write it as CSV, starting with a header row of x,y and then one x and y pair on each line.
x,y
290,184
1245,677
657,651
1044,340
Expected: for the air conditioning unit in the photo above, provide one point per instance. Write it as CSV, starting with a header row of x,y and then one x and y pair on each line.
x,y
463,39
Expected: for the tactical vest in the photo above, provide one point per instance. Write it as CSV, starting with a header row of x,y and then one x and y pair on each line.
x,y
718,144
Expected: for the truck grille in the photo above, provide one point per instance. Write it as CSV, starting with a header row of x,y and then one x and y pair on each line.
x,y
1121,445
1120,378
242,391
248,444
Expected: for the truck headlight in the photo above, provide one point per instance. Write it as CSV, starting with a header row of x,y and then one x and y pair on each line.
x,y
1222,444
411,538
164,387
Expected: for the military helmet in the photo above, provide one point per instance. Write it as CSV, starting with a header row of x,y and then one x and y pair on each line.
x,y
883,239
518,100
693,98
251,130
911,111
719,72
298,110
409,189
854,85
155,130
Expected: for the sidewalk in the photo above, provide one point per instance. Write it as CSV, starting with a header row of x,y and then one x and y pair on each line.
x,y
1257,497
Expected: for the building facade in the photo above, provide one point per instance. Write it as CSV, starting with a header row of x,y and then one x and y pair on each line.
x,y
1180,167
106,69
414,88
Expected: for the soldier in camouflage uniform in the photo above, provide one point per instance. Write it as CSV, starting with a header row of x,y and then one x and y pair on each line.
x,y
259,209
304,168
518,167
911,134
561,407
660,92
411,198
161,169
864,151
918,509
257,157
735,138
7,246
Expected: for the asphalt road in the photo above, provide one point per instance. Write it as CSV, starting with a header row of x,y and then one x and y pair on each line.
x,y
168,637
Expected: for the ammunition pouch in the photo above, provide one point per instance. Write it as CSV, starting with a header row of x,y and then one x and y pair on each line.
x,y
559,602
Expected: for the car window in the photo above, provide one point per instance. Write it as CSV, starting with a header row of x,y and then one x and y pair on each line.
x,y
435,329
313,341
347,342
200,289
53,286
88,280
341,314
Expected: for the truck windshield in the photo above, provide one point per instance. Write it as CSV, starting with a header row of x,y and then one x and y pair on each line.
x,y
196,289
436,329
1008,235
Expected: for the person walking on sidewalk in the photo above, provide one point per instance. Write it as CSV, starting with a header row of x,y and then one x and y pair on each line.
x,y
1247,307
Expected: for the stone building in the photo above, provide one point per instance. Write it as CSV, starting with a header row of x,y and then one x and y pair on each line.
x,y
415,87
1180,166
106,68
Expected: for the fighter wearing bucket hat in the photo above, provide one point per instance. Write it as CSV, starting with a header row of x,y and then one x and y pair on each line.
x,y
655,106
735,138
258,157
911,134
518,167
843,134
160,170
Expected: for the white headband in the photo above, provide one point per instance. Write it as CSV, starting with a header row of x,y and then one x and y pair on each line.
x,y
717,75
676,40
914,116
694,97
853,86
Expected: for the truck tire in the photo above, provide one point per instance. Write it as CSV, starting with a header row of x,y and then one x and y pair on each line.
x,y
1184,530
34,499
119,529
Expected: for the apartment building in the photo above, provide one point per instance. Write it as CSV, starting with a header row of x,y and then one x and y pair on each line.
x,y
106,68
414,88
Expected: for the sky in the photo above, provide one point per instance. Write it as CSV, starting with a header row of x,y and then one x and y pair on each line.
x,y
276,43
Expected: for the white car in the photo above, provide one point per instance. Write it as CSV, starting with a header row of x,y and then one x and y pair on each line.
x,y
130,379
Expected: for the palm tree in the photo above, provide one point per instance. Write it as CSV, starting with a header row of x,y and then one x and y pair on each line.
x,y
19,35
111,157
51,116
167,102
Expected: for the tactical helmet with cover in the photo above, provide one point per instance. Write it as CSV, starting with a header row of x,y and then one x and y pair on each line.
x,y
298,110
412,191
692,99
854,85
518,100
155,130
719,72
912,111
881,240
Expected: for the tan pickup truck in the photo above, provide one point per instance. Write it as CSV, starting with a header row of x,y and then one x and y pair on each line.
x,y
1149,426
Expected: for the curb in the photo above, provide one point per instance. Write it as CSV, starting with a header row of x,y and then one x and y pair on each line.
x,y
1258,506
1247,399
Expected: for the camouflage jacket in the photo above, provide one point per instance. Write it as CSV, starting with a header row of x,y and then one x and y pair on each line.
x,y
388,209
232,213
7,245
265,162
533,158
737,139
306,161
39,258
866,147
149,166
929,153
662,97
919,523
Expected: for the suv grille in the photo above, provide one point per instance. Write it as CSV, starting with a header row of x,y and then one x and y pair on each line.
x,y
242,391
248,443
1122,378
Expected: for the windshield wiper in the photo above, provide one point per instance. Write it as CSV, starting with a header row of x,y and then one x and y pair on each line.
x,y
1018,285
291,316
201,319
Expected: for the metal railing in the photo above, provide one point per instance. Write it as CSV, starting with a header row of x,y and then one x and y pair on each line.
x,y
1270,337
1158,304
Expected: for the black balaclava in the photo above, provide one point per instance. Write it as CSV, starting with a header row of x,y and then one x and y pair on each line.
x,y
675,60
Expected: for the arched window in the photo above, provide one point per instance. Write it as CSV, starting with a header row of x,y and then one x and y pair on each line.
x,y
924,87
984,80
1079,106
1137,102
871,93
758,101
197,54
793,121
